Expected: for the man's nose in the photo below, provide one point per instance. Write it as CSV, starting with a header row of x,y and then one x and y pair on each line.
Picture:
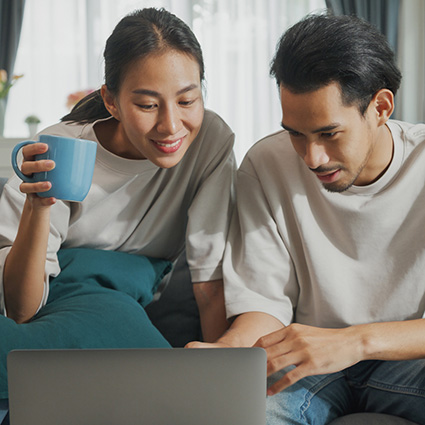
x,y
315,155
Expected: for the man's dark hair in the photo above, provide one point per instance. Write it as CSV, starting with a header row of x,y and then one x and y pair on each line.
x,y
325,49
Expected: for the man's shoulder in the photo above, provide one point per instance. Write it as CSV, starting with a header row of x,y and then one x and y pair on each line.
x,y
274,150
407,131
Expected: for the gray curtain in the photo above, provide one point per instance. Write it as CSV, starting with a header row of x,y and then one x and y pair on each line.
x,y
11,15
382,13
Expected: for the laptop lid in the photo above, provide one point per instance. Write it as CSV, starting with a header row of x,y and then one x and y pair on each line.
x,y
137,386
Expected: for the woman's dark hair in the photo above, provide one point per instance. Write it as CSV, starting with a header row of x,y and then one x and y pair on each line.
x,y
323,49
136,36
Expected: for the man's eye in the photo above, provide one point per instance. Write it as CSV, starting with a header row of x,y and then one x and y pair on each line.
x,y
295,134
328,135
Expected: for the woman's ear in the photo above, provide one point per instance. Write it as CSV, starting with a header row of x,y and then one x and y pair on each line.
x,y
383,102
109,101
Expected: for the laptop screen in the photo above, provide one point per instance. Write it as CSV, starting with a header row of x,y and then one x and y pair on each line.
x,y
137,386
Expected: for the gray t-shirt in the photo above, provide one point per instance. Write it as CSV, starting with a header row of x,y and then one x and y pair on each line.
x,y
136,207
303,254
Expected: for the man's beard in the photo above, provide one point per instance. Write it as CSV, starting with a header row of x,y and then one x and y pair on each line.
x,y
339,186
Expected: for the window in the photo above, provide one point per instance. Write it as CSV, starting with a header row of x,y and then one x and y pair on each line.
x,y
62,43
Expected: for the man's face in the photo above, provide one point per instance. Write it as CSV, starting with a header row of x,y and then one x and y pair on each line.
x,y
336,142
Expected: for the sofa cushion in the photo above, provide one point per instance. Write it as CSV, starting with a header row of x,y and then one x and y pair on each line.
x,y
96,302
175,313
370,419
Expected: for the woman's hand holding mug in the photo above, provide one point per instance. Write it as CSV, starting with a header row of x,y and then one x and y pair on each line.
x,y
56,167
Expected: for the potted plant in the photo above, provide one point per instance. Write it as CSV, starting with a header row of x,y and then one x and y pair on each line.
x,y
32,122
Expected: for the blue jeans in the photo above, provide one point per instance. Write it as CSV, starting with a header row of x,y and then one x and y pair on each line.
x,y
394,388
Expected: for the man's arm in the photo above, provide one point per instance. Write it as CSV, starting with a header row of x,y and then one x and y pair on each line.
x,y
316,351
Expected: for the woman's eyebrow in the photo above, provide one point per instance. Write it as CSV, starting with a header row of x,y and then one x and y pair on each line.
x,y
146,92
154,93
188,88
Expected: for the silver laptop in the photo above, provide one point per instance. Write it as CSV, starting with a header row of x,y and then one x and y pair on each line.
x,y
137,386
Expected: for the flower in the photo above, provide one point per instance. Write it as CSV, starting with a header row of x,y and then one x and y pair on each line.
x,y
5,84
75,97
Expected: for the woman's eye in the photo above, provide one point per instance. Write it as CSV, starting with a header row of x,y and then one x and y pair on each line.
x,y
186,102
147,107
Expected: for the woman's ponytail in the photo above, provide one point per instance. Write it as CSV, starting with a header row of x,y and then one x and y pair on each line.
x,y
88,109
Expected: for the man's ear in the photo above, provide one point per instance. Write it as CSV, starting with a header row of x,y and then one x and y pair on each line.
x,y
109,101
383,102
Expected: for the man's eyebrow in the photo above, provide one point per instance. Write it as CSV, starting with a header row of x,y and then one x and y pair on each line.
x,y
326,128
154,93
285,127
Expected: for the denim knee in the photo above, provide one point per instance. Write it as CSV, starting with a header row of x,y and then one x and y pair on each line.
x,y
312,400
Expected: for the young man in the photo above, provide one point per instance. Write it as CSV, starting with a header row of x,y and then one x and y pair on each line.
x,y
325,265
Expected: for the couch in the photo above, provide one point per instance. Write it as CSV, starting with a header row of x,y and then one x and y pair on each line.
x,y
176,316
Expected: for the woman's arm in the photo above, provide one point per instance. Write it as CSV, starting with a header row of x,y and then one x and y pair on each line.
x,y
210,299
244,331
24,270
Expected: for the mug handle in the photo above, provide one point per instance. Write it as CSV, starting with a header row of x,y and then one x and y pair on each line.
x,y
15,163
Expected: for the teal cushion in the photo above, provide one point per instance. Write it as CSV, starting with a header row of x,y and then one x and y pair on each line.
x,y
95,302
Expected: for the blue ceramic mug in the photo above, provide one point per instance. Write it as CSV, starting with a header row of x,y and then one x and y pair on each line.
x,y
72,176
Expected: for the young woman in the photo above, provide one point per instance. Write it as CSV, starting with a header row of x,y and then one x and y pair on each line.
x,y
162,181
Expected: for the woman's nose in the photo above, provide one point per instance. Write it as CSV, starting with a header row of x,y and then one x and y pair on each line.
x,y
168,121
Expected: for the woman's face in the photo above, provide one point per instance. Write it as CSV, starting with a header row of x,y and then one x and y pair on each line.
x,y
159,108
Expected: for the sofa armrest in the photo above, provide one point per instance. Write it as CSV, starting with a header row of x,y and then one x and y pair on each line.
x,y
3,181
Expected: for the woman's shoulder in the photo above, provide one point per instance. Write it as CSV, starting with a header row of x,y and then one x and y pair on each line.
x,y
213,144
214,124
65,129
215,132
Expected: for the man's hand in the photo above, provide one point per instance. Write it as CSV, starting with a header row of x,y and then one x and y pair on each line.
x,y
313,351
316,351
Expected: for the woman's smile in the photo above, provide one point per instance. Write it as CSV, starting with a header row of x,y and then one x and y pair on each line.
x,y
168,146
